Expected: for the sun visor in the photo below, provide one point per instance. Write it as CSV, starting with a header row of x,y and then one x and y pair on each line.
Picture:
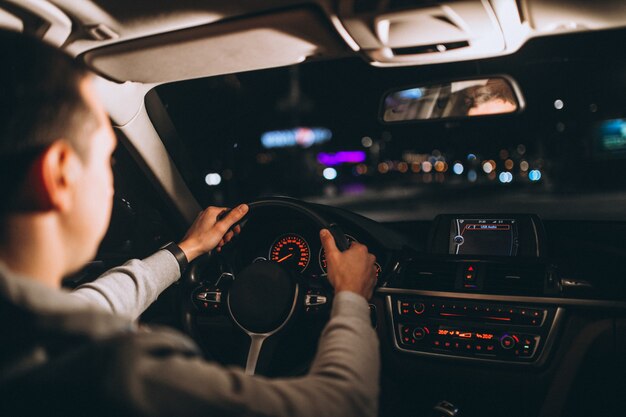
x,y
238,45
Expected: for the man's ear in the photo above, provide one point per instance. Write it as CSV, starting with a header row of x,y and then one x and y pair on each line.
x,y
52,177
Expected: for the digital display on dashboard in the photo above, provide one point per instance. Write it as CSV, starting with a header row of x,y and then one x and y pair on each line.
x,y
491,237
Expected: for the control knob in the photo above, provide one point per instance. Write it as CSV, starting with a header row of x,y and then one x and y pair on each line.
x,y
507,342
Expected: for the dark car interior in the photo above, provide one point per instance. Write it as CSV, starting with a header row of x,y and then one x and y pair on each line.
x,y
499,239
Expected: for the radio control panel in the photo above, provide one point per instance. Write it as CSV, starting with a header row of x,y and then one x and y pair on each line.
x,y
477,330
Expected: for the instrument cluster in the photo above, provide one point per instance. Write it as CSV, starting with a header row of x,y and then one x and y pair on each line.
x,y
294,252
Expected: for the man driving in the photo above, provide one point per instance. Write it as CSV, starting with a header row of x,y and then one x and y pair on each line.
x,y
79,352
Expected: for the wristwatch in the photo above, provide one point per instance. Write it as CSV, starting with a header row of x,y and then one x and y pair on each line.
x,y
178,253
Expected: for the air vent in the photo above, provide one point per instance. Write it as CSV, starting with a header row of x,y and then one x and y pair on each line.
x,y
517,280
429,49
427,275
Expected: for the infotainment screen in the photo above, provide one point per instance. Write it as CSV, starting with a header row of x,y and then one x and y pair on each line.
x,y
494,237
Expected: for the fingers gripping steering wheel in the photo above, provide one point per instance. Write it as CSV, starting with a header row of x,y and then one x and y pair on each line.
x,y
264,297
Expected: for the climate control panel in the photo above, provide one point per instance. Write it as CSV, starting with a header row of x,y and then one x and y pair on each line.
x,y
477,330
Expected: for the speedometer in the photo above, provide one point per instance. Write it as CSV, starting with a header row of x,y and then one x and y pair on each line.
x,y
292,251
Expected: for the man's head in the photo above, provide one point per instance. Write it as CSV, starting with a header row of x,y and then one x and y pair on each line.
x,y
495,97
55,145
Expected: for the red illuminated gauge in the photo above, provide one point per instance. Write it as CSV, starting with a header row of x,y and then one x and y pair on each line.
x,y
292,251
350,240
323,253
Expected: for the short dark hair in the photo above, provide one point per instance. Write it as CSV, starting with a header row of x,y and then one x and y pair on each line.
x,y
495,89
40,102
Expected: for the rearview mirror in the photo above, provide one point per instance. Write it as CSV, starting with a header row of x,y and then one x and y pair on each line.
x,y
453,99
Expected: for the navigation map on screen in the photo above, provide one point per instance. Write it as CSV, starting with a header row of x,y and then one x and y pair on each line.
x,y
496,237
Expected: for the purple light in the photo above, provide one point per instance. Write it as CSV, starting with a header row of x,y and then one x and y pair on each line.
x,y
343,157
353,189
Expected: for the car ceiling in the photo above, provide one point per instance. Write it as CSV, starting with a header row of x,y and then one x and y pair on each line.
x,y
160,41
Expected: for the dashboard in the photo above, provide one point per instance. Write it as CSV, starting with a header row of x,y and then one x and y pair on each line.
x,y
485,302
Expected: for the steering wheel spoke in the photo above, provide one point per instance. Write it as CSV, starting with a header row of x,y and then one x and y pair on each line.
x,y
256,343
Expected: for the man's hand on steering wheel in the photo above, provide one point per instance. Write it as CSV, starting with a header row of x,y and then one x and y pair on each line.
x,y
352,270
208,233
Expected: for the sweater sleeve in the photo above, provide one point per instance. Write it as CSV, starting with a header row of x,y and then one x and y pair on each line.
x,y
343,379
129,289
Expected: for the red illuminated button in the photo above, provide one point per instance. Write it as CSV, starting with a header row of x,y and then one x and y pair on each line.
x,y
405,308
436,343
490,348
507,342
419,308
469,273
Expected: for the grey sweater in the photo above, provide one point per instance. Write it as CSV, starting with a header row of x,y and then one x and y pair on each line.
x,y
54,338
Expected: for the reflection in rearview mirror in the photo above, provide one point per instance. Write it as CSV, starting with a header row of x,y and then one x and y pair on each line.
x,y
465,98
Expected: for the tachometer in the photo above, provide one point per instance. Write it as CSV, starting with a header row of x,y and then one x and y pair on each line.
x,y
322,257
323,253
292,251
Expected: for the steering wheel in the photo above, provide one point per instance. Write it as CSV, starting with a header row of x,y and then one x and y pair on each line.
x,y
264,297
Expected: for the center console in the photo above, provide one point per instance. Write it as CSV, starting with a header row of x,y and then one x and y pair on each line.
x,y
477,294
503,332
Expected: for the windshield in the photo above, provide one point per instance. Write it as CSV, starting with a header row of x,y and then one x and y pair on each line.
x,y
313,132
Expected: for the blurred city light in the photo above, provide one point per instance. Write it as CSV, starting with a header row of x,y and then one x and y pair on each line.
x,y
329,173
489,166
534,175
343,157
558,104
213,179
361,169
304,137
367,142
505,177
524,166
472,175
457,168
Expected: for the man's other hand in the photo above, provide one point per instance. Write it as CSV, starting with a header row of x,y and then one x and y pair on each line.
x,y
207,232
351,270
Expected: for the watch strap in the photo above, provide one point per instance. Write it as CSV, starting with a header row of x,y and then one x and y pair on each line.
x,y
178,253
